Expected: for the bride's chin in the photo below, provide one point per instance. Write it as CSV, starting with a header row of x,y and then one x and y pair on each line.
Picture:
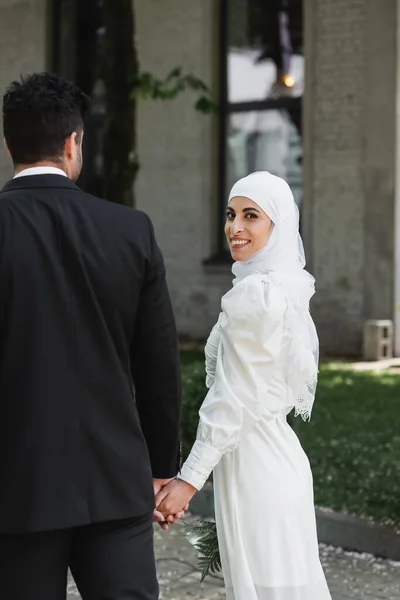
x,y
237,256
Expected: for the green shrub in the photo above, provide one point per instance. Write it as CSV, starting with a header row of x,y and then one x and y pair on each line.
x,y
352,440
194,391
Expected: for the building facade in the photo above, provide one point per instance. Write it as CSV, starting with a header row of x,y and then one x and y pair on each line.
x,y
322,111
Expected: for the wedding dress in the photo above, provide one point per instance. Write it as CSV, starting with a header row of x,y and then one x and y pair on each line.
x,y
261,363
262,479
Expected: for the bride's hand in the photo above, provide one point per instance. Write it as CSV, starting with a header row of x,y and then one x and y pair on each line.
x,y
174,497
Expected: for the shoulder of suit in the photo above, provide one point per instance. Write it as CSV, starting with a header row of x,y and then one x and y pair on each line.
x,y
118,209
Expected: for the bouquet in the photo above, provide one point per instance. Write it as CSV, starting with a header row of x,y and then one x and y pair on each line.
x,y
203,536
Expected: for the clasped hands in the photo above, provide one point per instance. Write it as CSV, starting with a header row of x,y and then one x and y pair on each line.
x,y
172,500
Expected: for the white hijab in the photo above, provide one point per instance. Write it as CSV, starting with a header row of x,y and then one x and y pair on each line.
x,y
284,249
284,259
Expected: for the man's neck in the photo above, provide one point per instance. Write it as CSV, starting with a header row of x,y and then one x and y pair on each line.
x,y
47,163
39,170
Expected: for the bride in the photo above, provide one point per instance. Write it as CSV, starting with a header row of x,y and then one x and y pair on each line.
x,y
261,362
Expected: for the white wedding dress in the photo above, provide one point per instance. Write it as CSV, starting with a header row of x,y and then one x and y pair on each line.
x,y
262,478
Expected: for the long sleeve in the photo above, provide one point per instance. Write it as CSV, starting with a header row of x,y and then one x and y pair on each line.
x,y
251,330
156,370
211,352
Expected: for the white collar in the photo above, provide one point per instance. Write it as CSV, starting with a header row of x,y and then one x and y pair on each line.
x,y
40,171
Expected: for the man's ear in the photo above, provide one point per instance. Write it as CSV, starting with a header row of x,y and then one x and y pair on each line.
x,y
70,142
6,147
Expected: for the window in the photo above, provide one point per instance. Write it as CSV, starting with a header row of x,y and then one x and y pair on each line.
x,y
262,80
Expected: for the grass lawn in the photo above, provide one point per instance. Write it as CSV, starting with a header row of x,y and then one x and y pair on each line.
x,y
352,440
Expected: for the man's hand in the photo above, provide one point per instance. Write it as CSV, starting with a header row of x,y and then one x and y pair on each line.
x,y
174,497
160,483
158,516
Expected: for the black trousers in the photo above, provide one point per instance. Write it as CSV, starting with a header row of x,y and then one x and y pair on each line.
x,y
113,560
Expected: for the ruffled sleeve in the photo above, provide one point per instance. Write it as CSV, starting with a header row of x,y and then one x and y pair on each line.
x,y
250,329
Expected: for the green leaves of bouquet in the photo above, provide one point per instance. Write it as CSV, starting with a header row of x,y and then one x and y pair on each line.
x,y
203,536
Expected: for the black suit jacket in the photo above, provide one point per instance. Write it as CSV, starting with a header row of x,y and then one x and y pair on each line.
x,y
84,309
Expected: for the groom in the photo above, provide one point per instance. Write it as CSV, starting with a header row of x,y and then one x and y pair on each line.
x,y
84,310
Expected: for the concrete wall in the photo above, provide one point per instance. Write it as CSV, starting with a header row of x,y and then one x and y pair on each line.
x,y
177,145
349,127
349,165
23,48
177,153
349,142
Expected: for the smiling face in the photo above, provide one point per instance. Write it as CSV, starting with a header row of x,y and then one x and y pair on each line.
x,y
247,227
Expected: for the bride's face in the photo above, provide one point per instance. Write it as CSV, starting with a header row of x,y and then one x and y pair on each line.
x,y
247,227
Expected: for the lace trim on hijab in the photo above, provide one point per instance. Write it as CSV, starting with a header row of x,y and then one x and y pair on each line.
x,y
302,369
301,338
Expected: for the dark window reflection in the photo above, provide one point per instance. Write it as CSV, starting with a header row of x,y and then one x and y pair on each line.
x,y
265,83
78,54
264,49
264,140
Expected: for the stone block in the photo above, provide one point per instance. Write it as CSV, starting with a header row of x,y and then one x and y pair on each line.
x,y
378,339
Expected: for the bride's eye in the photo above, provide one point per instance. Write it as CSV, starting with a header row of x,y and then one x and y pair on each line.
x,y
230,216
251,216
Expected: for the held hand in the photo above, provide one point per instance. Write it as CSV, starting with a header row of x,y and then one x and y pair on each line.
x,y
174,497
158,516
160,483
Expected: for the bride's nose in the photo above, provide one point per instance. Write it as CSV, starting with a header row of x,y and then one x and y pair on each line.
x,y
237,226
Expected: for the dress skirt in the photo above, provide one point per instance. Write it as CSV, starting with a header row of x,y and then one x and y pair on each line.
x,y
266,519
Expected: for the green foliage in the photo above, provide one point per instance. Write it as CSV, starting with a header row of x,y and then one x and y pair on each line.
x,y
148,86
194,391
352,440
204,538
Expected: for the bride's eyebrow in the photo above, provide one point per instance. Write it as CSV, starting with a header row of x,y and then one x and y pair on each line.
x,y
251,208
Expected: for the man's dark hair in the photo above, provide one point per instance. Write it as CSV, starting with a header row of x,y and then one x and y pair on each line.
x,y
39,113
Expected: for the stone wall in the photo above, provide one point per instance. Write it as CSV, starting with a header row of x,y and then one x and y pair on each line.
x,y
23,49
349,138
177,154
349,129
